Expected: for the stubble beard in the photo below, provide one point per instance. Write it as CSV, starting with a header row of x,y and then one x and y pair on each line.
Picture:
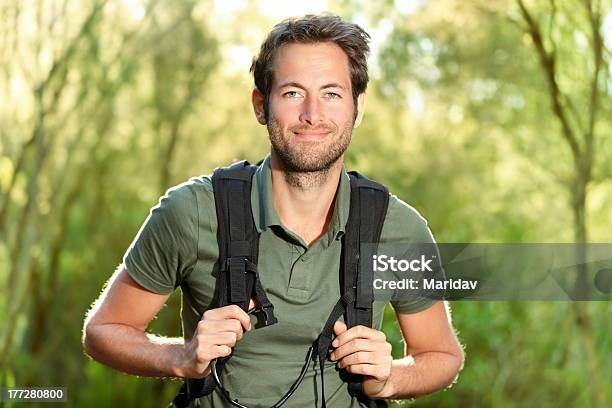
x,y
306,165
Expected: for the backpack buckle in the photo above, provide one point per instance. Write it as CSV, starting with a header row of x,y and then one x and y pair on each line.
x,y
265,316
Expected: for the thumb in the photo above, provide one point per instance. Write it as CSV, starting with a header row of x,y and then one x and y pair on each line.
x,y
339,328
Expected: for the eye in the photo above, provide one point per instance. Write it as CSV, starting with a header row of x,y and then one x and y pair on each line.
x,y
292,94
332,95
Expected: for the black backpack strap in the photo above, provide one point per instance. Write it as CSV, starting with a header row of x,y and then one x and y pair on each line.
x,y
238,279
368,209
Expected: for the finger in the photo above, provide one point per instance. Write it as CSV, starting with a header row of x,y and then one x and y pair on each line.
x,y
229,312
217,339
371,370
339,328
215,326
219,351
207,352
360,357
357,332
355,346
366,357
225,339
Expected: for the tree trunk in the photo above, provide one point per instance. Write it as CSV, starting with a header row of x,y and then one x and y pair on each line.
x,y
581,313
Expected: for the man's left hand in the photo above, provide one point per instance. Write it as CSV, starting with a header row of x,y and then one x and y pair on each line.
x,y
363,350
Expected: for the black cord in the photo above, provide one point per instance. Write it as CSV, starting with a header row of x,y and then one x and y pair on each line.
x,y
226,395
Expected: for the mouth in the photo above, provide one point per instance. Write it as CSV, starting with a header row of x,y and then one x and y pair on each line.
x,y
312,134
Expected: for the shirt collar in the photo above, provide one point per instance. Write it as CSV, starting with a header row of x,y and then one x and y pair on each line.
x,y
265,214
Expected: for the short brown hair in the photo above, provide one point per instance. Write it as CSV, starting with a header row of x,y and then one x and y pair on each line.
x,y
312,29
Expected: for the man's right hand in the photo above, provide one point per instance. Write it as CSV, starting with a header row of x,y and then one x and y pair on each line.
x,y
217,332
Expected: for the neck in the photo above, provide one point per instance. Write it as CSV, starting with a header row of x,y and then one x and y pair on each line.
x,y
305,201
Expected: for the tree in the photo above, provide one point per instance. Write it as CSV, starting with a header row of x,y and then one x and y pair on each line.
x,y
543,83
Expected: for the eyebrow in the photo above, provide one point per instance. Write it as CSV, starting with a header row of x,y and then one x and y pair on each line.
x,y
298,85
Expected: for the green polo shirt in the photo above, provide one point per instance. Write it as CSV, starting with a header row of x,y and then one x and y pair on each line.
x,y
177,247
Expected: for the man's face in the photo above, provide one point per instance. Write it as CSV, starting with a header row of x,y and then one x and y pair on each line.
x,y
311,109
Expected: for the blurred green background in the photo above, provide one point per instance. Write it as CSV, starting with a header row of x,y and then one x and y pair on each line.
x,y
492,118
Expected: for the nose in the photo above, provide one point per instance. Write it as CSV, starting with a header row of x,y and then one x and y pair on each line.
x,y
311,111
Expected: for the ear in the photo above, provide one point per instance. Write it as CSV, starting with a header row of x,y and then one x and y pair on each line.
x,y
257,99
360,108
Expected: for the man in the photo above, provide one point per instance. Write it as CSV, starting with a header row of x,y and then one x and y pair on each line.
x,y
310,77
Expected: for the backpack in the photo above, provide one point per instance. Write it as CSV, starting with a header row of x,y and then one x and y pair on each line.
x,y
238,279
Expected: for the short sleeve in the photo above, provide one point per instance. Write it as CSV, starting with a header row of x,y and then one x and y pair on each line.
x,y
404,224
165,248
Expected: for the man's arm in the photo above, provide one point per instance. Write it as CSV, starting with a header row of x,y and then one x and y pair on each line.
x,y
114,330
114,333
433,354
